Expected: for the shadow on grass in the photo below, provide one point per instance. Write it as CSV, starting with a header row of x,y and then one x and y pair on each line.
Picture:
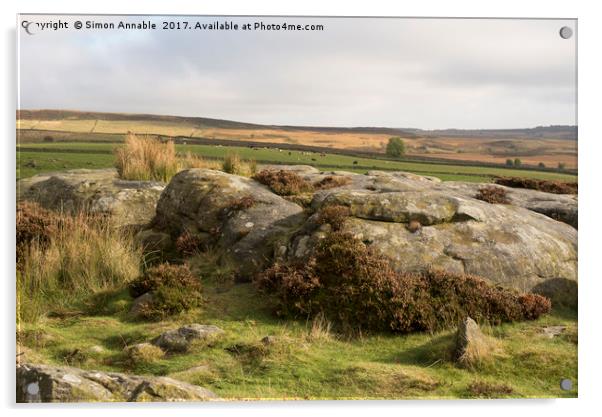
x,y
438,349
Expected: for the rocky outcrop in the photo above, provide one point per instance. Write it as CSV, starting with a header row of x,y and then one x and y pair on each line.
x,y
417,222
128,203
45,383
561,207
179,340
233,213
507,244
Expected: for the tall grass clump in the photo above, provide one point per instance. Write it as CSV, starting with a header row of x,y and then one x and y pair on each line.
x,y
144,158
233,164
78,257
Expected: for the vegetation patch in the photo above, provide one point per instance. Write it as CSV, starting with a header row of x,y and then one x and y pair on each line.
x,y
331,181
71,259
233,164
548,186
35,225
335,215
187,244
174,290
145,158
283,182
493,195
481,389
359,290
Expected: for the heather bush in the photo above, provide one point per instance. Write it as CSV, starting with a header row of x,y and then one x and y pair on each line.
x,y
283,182
493,195
34,225
187,244
359,290
174,288
335,215
555,187
331,181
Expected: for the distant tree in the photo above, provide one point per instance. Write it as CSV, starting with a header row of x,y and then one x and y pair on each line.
x,y
509,162
541,165
396,148
517,162
561,165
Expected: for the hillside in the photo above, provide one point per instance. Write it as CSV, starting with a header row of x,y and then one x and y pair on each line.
x,y
550,145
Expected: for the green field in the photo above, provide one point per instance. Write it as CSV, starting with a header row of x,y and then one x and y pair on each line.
x,y
34,158
310,364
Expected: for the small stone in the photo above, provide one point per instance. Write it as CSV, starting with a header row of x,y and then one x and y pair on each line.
x,y
140,304
414,226
179,340
97,349
269,340
248,225
553,331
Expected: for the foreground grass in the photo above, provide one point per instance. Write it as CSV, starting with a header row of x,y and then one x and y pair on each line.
x,y
311,363
85,155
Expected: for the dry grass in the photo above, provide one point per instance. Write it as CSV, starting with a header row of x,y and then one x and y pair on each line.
x,y
144,158
320,329
479,352
233,164
142,353
84,256
483,389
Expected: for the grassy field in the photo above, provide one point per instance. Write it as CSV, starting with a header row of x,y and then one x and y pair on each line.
x,y
490,147
33,158
313,364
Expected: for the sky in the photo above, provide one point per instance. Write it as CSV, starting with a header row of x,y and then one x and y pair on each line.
x,y
389,72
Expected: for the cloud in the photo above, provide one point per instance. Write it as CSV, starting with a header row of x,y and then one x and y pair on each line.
x,y
426,73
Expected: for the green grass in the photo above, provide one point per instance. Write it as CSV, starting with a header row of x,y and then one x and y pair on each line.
x,y
57,161
300,366
68,155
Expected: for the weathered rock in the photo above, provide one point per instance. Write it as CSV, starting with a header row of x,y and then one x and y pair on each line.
x,y
561,207
470,342
44,383
141,304
203,203
179,340
269,340
128,203
504,244
552,331
143,352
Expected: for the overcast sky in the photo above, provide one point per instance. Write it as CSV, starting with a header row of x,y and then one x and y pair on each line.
x,y
422,73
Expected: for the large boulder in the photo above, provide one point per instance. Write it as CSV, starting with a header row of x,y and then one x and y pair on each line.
x,y
45,383
233,213
128,203
561,207
506,244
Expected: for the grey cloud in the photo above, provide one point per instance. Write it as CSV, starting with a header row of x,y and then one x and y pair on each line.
x,y
432,73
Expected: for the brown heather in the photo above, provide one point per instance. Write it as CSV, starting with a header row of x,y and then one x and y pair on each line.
x,y
283,182
359,290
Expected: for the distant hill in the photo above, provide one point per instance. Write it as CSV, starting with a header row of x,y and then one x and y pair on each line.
x,y
550,132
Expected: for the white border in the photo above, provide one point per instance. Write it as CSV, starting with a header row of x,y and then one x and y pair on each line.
x,y
590,154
